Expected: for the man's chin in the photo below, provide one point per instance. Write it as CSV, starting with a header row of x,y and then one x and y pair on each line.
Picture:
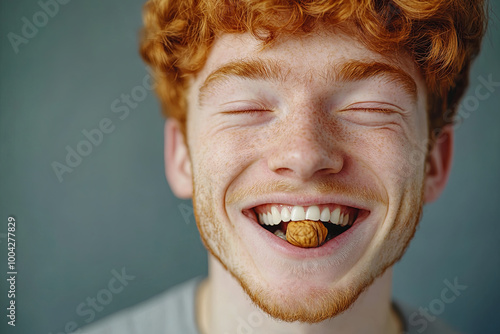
x,y
303,303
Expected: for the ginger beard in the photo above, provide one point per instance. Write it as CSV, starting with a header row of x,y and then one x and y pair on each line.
x,y
296,304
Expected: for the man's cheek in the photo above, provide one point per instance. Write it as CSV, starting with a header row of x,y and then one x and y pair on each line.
x,y
381,156
409,164
229,153
400,159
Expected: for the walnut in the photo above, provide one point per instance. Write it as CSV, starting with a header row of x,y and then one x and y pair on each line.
x,y
306,233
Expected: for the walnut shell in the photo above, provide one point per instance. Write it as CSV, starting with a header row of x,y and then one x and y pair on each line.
x,y
306,233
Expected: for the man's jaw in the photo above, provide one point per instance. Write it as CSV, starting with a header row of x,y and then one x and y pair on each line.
x,y
286,280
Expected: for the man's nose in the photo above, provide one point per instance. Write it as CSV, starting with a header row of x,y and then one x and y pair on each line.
x,y
305,148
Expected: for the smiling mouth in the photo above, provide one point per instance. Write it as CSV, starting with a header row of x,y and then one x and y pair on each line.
x,y
337,219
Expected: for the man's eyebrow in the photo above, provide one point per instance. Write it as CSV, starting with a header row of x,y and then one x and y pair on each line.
x,y
353,70
256,69
359,70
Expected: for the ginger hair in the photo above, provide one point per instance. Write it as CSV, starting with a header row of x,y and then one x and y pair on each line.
x,y
442,36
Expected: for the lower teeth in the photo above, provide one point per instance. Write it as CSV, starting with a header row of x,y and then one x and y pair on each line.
x,y
280,234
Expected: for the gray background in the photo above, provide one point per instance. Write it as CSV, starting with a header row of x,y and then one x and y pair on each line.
x,y
115,210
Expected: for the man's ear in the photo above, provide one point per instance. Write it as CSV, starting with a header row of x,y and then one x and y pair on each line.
x,y
439,163
177,160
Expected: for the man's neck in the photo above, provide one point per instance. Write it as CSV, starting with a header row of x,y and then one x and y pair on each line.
x,y
224,307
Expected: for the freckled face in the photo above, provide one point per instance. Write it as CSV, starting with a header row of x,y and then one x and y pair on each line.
x,y
316,125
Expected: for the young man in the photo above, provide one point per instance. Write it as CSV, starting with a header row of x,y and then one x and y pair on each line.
x,y
309,135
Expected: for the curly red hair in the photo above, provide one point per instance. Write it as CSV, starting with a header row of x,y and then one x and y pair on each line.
x,y
443,37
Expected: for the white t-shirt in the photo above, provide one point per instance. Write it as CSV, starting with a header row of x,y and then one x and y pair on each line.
x,y
173,312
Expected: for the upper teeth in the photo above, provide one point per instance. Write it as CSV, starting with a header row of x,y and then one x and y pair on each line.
x,y
274,217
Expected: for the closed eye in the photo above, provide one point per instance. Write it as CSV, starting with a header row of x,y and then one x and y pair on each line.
x,y
373,115
377,110
246,111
